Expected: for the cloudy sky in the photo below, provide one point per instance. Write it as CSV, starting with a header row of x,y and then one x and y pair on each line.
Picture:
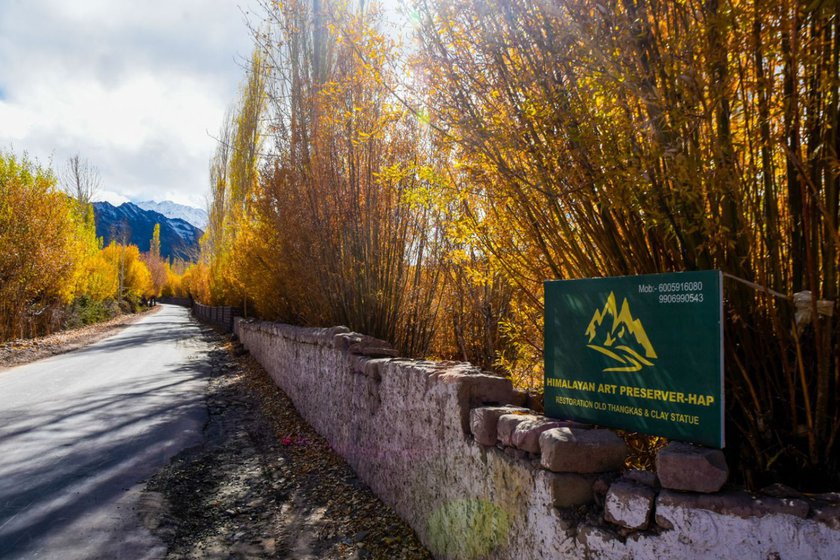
x,y
135,86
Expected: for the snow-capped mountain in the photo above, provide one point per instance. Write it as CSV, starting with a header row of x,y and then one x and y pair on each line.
x,y
178,238
194,216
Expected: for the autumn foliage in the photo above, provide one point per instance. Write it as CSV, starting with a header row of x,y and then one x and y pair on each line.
x,y
633,137
34,276
53,271
424,194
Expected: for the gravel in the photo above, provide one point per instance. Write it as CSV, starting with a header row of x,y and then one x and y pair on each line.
x,y
264,484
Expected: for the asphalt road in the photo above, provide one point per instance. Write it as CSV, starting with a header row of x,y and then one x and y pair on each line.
x,y
80,432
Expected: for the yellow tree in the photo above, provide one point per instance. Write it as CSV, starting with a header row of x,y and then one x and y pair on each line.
x,y
125,262
335,229
636,136
38,252
155,263
233,177
195,282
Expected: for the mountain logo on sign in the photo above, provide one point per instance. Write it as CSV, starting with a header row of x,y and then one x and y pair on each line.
x,y
617,335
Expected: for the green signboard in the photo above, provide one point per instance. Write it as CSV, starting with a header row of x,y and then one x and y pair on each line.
x,y
641,353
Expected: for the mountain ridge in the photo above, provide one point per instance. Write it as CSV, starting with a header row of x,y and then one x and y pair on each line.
x,y
190,214
132,224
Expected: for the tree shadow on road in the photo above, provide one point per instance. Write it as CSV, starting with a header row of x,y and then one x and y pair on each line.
x,y
66,462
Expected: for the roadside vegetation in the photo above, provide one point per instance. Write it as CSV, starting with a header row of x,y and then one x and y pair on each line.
x,y
54,272
422,191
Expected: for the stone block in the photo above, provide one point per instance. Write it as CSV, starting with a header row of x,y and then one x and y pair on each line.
x,y
581,451
681,466
629,505
737,503
332,331
508,424
828,514
527,434
570,489
363,345
829,497
345,340
487,389
484,422
371,367
373,351
476,389
779,490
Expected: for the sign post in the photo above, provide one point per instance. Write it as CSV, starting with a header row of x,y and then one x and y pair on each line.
x,y
640,353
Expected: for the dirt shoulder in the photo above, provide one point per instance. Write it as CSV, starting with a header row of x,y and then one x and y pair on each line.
x,y
23,351
264,484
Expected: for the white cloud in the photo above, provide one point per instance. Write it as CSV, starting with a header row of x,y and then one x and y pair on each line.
x,y
112,197
134,87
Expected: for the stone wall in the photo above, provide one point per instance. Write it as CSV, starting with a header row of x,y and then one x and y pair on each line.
x,y
220,316
478,477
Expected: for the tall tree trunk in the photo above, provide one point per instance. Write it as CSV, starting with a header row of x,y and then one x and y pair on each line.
x,y
790,52
775,277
